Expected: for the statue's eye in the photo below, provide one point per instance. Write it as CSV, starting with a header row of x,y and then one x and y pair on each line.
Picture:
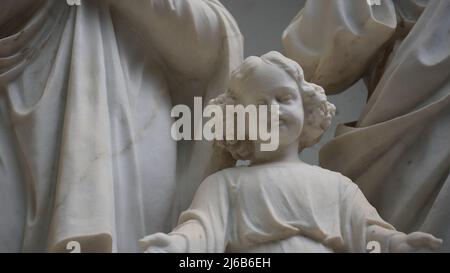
x,y
285,98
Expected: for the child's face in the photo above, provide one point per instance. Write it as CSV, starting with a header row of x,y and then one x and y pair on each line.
x,y
270,85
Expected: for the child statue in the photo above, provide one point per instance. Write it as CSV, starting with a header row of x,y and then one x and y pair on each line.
x,y
279,203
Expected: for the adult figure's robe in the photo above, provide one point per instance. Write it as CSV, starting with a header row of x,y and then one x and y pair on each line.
x,y
86,151
398,151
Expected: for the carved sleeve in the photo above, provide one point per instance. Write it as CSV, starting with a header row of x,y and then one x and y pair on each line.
x,y
334,41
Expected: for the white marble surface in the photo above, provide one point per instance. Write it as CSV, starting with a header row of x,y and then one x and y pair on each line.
x,y
86,93
279,203
398,151
57,88
262,23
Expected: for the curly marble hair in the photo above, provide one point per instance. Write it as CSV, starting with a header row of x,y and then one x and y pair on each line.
x,y
318,112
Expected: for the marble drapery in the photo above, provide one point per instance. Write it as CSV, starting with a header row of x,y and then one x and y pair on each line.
x,y
398,152
278,207
86,93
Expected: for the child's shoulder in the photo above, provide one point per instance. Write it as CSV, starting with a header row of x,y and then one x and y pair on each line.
x,y
239,172
328,176
224,174
299,169
324,171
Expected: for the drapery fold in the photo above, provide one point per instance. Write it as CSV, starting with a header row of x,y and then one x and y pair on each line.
x,y
398,153
88,101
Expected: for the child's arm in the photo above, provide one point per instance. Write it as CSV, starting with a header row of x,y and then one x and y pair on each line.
x,y
365,225
178,241
400,242
202,228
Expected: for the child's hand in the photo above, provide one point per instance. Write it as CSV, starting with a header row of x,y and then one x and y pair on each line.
x,y
164,243
414,242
